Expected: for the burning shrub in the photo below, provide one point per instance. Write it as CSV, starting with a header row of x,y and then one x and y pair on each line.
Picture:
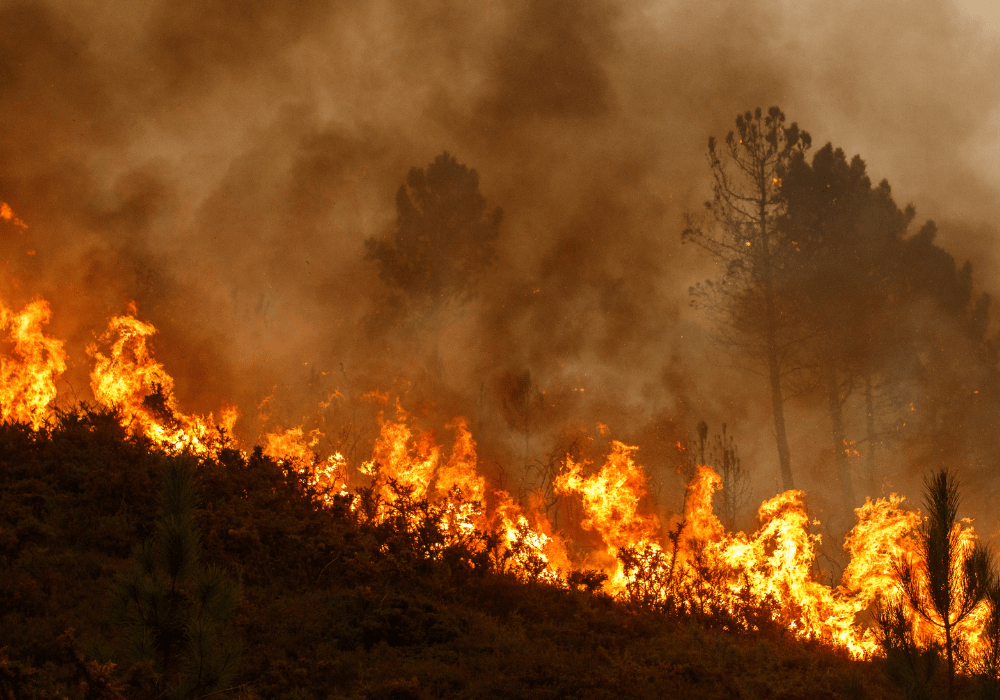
x,y
589,580
650,577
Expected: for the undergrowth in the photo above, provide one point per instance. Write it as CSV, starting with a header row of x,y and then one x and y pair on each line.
x,y
338,602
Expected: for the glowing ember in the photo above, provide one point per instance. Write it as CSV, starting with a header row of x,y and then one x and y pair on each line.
x,y
7,215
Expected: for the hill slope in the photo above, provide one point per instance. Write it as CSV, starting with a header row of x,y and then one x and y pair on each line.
x,y
331,606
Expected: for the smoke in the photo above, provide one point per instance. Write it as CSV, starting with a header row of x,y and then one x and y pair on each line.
x,y
221,163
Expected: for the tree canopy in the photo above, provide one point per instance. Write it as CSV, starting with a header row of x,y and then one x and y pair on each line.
x,y
444,234
750,301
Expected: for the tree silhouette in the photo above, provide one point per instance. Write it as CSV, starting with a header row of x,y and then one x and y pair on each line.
x,y
955,358
884,312
443,237
751,303
848,237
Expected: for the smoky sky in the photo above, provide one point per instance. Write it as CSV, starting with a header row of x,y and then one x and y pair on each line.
x,y
221,164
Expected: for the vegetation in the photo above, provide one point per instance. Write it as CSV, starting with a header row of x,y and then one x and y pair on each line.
x,y
172,608
444,236
949,583
954,579
825,290
118,576
750,303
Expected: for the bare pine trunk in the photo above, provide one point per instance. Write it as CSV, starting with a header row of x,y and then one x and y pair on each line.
x,y
839,439
773,366
778,408
870,425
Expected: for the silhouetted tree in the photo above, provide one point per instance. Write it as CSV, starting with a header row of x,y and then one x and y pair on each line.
x,y
955,359
735,493
948,584
847,237
723,456
444,234
750,302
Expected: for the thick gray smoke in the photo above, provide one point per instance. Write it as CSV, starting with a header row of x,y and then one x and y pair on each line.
x,y
222,163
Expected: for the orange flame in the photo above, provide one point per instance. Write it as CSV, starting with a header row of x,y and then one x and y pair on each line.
x,y
129,379
28,377
328,476
773,566
393,456
611,500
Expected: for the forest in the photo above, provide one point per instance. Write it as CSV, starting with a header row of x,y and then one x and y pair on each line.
x,y
148,554
376,349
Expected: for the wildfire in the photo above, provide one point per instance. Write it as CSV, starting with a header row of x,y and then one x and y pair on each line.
x,y
28,376
696,565
127,378
611,502
328,476
412,466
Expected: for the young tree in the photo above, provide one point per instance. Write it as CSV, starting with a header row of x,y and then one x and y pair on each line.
x,y
949,583
172,607
723,456
444,235
750,303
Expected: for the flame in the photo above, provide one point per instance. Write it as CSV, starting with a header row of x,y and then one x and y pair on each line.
x,y
291,445
697,567
611,501
28,377
413,462
394,458
771,567
126,377
460,472
328,476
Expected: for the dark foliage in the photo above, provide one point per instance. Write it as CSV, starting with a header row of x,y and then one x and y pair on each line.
x,y
910,666
335,603
752,302
444,235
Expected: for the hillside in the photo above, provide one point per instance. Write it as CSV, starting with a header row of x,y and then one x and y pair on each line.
x,y
331,606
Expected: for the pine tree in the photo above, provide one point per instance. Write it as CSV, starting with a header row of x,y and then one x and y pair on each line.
x,y
172,608
948,584
750,303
